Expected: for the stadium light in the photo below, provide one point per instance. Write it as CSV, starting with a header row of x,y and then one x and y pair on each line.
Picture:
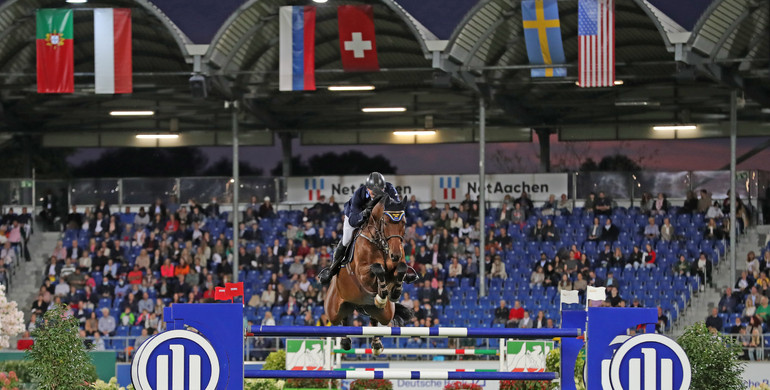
x,y
132,113
157,136
347,88
636,103
320,1
77,1
674,127
618,82
383,109
414,132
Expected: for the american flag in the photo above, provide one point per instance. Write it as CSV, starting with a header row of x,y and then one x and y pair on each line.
x,y
596,40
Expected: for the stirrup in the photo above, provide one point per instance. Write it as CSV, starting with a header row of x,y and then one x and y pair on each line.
x,y
412,277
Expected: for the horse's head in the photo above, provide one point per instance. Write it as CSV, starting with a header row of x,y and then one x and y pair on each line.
x,y
390,217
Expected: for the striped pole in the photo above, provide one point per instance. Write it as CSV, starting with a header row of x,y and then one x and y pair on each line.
x,y
387,370
419,351
401,374
366,331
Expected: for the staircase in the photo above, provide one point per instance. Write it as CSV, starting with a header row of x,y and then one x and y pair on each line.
x,y
29,275
701,304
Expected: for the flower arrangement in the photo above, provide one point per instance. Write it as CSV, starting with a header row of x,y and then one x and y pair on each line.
x,y
307,383
9,381
263,384
11,319
462,386
111,385
371,384
524,385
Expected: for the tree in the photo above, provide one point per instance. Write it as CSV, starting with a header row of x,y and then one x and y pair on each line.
x,y
145,162
224,167
348,163
60,360
713,358
615,163
22,153
298,167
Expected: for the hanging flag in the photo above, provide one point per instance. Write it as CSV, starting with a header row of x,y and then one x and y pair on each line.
x,y
296,69
55,59
542,35
112,50
596,43
358,47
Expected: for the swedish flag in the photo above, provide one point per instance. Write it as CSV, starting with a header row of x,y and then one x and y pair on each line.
x,y
542,34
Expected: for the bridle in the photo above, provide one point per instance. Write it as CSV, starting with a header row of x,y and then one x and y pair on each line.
x,y
378,237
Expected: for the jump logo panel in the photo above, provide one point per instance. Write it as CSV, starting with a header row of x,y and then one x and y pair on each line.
x,y
305,355
314,187
449,189
177,359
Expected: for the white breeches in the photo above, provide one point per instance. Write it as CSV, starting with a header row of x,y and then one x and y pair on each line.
x,y
347,232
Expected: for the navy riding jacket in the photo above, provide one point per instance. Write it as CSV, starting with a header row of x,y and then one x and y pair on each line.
x,y
360,199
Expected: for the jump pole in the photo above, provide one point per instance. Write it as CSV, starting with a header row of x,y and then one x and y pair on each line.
x,y
401,374
367,331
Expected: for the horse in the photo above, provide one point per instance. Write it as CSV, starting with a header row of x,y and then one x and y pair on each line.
x,y
372,282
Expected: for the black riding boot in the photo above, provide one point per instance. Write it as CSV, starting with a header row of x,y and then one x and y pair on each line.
x,y
326,274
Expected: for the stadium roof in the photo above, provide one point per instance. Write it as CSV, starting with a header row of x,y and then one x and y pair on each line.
x,y
678,62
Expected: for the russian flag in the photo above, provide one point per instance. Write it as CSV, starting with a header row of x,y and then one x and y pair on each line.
x,y
296,69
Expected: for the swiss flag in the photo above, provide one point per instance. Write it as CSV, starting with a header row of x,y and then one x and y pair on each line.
x,y
357,43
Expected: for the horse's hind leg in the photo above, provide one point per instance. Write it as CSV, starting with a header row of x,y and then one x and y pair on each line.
x,y
395,291
381,298
377,347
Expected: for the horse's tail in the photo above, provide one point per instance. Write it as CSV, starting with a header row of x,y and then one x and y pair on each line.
x,y
402,315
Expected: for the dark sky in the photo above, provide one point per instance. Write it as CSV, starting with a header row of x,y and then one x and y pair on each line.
x,y
708,154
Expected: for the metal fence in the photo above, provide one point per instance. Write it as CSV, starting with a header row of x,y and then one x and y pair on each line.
x,y
752,185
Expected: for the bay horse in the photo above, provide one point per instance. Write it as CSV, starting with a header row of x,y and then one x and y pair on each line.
x,y
372,282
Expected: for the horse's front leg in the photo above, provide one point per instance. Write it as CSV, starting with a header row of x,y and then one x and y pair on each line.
x,y
381,298
376,342
395,291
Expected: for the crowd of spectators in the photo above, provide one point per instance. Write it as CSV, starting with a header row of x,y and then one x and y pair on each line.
x,y
744,308
117,269
15,232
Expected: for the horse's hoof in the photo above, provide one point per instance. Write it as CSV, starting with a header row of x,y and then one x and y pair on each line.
x,y
395,295
346,343
380,302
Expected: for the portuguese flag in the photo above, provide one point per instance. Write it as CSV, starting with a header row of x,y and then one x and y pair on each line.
x,y
55,60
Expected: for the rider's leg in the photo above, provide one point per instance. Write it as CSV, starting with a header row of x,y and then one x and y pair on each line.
x,y
326,274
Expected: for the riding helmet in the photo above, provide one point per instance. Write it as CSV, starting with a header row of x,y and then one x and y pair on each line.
x,y
376,182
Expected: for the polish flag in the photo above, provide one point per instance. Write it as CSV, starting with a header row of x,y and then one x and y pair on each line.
x,y
112,50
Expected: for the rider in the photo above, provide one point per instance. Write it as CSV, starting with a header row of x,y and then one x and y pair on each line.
x,y
356,214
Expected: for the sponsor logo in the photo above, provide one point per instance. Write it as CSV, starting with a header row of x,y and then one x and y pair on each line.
x,y
175,360
648,361
450,185
307,355
314,187
527,356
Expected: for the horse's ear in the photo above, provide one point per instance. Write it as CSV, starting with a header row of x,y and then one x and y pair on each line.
x,y
403,203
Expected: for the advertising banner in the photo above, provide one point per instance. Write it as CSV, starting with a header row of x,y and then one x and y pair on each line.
x,y
442,188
